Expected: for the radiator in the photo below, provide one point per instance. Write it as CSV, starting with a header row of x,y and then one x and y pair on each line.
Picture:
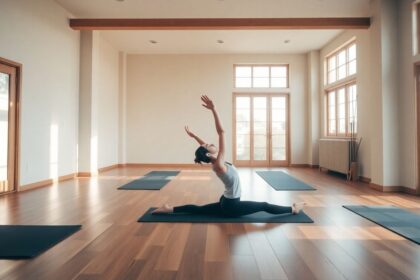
x,y
334,154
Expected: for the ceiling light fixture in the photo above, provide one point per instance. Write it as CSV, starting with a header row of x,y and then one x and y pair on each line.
x,y
286,41
220,41
153,41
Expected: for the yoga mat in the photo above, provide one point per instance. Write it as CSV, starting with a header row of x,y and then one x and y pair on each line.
x,y
146,183
281,181
162,173
22,242
395,219
154,180
259,217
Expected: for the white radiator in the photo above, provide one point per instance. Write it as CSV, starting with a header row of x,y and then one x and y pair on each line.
x,y
334,154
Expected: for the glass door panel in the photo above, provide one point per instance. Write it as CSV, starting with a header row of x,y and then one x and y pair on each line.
x,y
243,128
4,128
260,130
279,129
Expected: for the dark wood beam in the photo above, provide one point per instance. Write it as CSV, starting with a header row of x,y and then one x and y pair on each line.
x,y
218,23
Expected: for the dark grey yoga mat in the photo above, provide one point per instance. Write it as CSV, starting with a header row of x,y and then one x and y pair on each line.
x,y
395,219
162,173
154,180
259,217
280,181
23,242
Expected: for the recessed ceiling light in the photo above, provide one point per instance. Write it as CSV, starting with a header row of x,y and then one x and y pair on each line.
x,y
153,42
119,0
286,41
220,41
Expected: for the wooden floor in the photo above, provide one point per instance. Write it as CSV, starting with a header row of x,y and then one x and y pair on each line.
x,y
112,245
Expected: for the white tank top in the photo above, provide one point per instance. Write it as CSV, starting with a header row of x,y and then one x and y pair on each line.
x,y
231,181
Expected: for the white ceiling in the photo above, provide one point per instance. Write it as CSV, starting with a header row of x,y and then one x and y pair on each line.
x,y
205,41
215,8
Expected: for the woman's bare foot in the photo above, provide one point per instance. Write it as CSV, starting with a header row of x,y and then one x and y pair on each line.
x,y
164,209
297,207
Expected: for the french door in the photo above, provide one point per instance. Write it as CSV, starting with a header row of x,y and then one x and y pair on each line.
x,y
261,129
8,127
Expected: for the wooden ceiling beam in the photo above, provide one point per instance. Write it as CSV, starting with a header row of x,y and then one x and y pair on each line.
x,y
219,23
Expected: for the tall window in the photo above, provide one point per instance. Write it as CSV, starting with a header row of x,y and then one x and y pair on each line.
x,y
341,64
261,76
342,111
341,92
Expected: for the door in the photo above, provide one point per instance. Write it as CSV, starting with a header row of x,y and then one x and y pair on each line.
x,y
261,126
417,97
8,128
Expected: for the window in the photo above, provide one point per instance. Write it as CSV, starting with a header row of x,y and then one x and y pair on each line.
x,y
341,64
342,110
261,76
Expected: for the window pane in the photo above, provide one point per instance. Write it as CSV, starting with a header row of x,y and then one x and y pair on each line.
x,y
279,82
243,102
341,96
279,141
261,71
331,63
243,115
279,71
278,102
352,52
243,82
243,127
352,67
342,72
260,115
332,76
341,57
331,127
342,126
279,153
261,82
331,98
260,127
278,115
4,127
342,111
260,153
242,146
260,102
278,128
260,141
243,71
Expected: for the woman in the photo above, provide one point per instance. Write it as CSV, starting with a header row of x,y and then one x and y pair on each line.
x,y
229,203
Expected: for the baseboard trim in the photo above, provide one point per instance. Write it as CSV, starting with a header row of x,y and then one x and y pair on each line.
x,y
365,179
84,174
400,189
45,183
106,168
304,165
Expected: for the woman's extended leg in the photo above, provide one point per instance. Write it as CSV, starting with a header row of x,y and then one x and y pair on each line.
x,y
208,209
235,207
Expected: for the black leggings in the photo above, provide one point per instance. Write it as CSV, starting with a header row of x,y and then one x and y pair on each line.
x,y
233,208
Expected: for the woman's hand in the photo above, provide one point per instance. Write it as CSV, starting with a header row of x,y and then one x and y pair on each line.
x,y
208,103
189,132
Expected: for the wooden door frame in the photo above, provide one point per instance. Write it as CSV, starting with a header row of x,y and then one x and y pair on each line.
x,y
417,110
288,142
16,132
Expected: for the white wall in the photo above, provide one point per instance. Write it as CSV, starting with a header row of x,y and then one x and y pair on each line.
x,y
163,95
36,34
363,91
107,103
408,167
99,103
